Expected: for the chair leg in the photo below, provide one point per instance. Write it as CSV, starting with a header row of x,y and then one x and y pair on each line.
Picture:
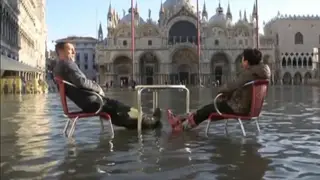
x,y
226,126
208,126
257,124
73,127
111,127
242,128
66,127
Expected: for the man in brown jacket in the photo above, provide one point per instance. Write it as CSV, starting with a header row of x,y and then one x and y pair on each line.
x,y
237,98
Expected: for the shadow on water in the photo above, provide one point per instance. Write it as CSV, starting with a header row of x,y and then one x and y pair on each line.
x,y
33,147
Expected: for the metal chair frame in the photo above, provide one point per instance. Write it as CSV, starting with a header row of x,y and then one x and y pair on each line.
x,y
257,100
73,117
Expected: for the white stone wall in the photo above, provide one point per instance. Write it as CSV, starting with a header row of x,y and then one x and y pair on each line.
x,y
285,29
33,32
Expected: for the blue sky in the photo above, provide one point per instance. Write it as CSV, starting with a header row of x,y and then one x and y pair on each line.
x,y
82,17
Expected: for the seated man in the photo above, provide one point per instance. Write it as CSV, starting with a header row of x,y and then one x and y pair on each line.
x,y
122,115
237,100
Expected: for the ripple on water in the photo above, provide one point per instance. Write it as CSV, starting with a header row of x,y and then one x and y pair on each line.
x,y
33,147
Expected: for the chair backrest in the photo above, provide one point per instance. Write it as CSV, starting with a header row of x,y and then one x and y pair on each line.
x,y
259,92
62,93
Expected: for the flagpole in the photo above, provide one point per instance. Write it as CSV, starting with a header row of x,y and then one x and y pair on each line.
x,y
257,25
132,40
198,43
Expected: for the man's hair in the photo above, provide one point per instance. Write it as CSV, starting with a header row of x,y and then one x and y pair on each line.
x,y
60,46
253,56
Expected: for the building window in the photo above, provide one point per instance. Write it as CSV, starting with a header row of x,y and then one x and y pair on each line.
x,y
85,57
93,57
94,66
149,43
77,57
125,43
298,38
216,42
240,42
86,66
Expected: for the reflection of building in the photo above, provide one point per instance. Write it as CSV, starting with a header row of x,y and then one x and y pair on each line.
x,y
165,51
296,36
85,57
23,37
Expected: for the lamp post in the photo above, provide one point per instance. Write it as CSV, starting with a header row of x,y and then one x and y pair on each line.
x,y
132,40
198,43
257,25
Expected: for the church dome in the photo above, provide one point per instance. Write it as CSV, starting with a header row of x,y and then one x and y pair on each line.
x,y
127,18
219,18
169,4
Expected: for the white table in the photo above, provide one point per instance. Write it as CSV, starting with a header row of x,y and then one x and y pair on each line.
x,y
155,89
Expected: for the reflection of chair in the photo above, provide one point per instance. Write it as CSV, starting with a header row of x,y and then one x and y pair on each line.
x,y
74,116
259,91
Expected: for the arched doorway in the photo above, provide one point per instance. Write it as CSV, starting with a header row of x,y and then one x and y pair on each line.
x,y
307,77
287,78
183,31
297,79
122,66
184,66
184,73
220,67
149,68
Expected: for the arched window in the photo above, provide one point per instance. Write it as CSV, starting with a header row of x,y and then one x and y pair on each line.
x,y
294,62
298,38
289,62
299,62
310,61
304,62
284,63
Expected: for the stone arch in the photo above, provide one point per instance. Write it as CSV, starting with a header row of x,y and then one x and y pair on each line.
x,y
298,38
297,78
310,62
183,31
220,67
182,58
294,62
284,62
289,63
299,62
307,77
122,68
287,79
148,68
238,63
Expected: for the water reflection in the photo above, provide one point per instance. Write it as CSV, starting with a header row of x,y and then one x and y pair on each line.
x,y
32,145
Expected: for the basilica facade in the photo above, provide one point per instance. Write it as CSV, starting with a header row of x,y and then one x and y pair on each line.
x,y
166,50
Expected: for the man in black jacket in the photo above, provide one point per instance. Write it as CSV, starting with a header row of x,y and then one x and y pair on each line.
x,y
121,114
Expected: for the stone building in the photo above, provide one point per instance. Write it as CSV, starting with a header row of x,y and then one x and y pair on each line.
x,y
85,54
23,38
166,49
295,39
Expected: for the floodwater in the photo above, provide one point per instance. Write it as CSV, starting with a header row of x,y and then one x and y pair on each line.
x,y
288,147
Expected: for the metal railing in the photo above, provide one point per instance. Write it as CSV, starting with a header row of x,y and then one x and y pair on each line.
x,y
155,89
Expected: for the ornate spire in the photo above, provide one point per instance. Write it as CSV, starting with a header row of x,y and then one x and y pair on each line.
x,y
100,33
254,11
219,9
110,12
229,14
245,16
136,8
240,15
161,11
204,10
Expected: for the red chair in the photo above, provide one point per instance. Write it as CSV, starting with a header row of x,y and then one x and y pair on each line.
x,y
259,92
74,116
